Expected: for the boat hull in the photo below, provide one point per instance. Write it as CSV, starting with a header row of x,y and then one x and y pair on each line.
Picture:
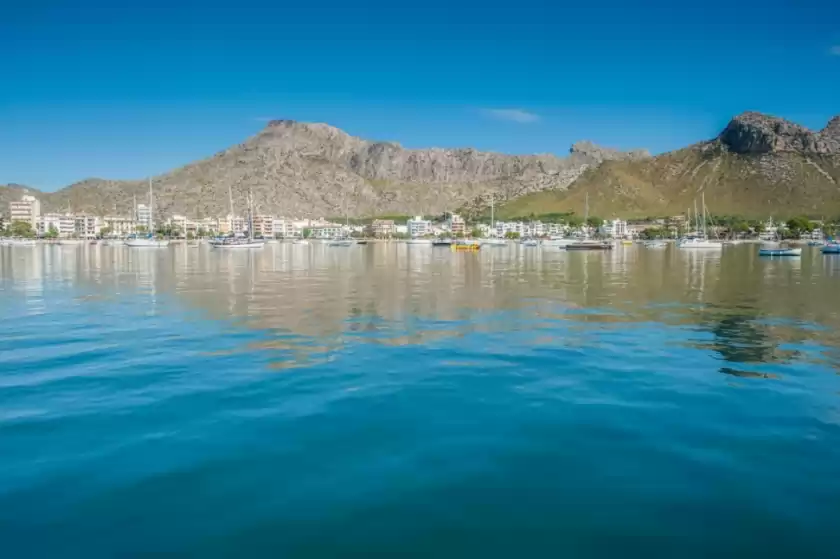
x,y
780,252
589,246
232,246
830,249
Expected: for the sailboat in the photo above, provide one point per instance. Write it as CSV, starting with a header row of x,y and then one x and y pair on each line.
x,y
149,241
239,242
587,243
493,241
701,241
343,240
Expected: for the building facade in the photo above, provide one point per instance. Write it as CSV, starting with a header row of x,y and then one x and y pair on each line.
x,y
144,217
383,228
457,225
616,228
63,224
87,226
419,227
27,209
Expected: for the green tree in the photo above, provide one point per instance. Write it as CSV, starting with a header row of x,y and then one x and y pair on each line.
x,y
594,222
574,221
141,229
200,232
799,225
52,232
105,231
21,229
476,233
190,236
307,233
511,235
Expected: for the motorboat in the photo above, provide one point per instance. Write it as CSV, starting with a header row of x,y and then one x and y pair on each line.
x,y
530,242
833,248
779,251
341,242
442,242
656,244
493,242
418,241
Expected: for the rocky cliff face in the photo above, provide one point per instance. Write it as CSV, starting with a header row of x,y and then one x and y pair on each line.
x,y
302,169
755,133
758,166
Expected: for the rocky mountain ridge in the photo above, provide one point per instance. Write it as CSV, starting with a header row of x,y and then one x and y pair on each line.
x,y
758,165
313,169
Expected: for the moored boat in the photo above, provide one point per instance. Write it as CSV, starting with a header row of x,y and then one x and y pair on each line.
x,y
590,244
833,248
779,251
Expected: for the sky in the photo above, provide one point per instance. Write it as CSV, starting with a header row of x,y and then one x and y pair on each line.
x,y
101,89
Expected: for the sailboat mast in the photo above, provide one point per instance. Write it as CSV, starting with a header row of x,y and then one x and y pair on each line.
x,y
135,213
696,217
151,208
704,213
492,212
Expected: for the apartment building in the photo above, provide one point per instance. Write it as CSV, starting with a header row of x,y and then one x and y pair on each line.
x,y
27,209
63,224
419,227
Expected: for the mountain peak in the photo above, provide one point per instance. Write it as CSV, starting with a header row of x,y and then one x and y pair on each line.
x,y
756,133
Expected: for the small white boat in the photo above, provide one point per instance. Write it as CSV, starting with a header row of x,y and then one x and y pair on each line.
x,y
493,242
656,244
779,251
530,242
65,242
418,241
699,242
833,248
341,242
300,242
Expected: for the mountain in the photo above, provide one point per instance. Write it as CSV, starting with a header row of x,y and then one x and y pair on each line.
x,y
301,169
758,165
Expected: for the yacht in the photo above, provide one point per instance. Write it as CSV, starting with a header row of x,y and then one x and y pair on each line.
x,y
418,241
341,242
774,250
240,242
530,242
149,241
494,242
700,241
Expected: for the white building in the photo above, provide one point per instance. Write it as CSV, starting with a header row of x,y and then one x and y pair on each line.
x,y
63,224
120,226
287,228
419,227
144,216
457,225
616,228
326,230
263,226
87,226
27,209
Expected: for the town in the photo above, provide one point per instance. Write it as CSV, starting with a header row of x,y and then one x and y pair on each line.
x,y
24,219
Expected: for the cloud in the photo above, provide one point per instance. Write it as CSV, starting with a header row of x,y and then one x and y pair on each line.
x,y
512,115
835,50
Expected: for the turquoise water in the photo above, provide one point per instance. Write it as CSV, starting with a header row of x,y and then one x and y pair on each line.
x,y
308,401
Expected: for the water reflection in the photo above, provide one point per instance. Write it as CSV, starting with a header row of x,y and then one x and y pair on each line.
x,y
315,299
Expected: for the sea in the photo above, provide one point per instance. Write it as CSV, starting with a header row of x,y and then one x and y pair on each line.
x,y
409,401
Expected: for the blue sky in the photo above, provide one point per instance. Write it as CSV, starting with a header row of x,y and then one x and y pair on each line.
x,y
98,89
